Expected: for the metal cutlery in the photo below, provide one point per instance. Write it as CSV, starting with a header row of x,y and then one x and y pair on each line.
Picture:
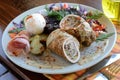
x,y
94,68
112,72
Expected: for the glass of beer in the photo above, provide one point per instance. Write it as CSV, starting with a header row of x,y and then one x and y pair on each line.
x,y
111,9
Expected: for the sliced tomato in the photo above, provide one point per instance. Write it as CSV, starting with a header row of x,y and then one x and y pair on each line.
x,y
99,28
12,35
65,6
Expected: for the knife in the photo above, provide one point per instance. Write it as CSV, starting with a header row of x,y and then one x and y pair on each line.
x,y
94,68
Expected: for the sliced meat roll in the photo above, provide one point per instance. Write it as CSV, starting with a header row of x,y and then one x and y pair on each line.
x,y
64,45
71,21
78,27
19,44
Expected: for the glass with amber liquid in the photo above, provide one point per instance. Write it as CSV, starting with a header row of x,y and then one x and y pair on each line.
x,y
111,9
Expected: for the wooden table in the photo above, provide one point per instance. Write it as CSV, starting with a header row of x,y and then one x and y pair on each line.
x,y
9,9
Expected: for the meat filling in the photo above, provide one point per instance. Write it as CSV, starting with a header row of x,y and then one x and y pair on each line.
x,y
71,50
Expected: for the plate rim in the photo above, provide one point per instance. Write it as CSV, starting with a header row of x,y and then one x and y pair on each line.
x,y
57,71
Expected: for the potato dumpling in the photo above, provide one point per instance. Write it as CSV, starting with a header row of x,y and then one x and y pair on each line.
x,y
35,23
36,46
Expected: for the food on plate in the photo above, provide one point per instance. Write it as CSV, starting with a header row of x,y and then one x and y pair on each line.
x,y
55,14
64,45
78,27
71,21
19,44
51,24
43,39
36,46
67,30
35,23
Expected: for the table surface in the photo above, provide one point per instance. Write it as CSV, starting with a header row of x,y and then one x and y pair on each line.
x,y
9,9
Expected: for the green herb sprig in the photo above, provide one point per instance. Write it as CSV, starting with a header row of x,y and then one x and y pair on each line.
x,y
103,37
94,15
59,14
16,30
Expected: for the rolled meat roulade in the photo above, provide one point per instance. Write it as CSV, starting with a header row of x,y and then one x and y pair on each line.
x,y
19,44
79,28
64,45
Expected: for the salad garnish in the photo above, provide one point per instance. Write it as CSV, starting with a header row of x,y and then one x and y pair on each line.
x,y
17,28
94,15
103,36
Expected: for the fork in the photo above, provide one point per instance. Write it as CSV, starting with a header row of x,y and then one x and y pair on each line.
x,y
112,72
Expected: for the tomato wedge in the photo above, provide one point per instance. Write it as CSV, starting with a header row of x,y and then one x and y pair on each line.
x,y
99,28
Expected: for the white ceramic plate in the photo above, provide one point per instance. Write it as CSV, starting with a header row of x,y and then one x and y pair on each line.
x,y
61,66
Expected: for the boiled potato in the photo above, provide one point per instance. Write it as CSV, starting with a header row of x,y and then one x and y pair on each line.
x,y
35,23
36,46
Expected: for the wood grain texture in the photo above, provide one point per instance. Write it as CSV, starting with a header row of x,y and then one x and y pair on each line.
x,y
7,13
11,8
